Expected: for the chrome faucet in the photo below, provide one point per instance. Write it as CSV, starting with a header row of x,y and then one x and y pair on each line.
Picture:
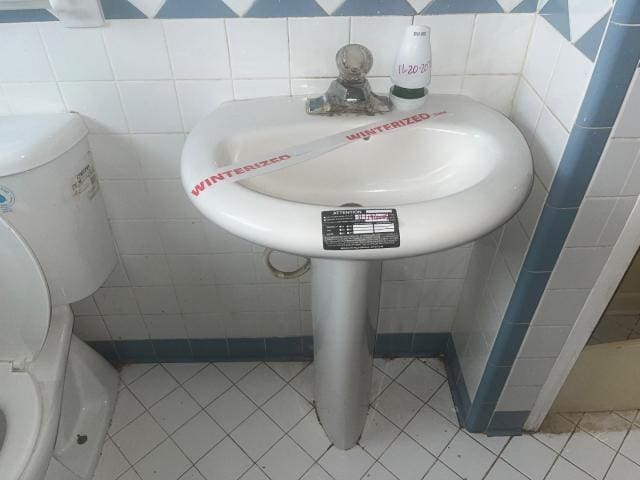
x,y
350,92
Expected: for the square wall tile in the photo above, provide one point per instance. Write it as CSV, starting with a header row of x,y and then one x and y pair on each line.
x,y
527,106
544,341
126,199
530,371
114,157
98,103
560,307
381,35
309,86
530,211
490,53
450,41
258,47
197,48
156,300
628,122
22,56
169,201
544,48
126,327
137,49
151,107
245,89
549,141
313,43
76,53
90,328
198,98
137,237
578,267
30,98
590,221
495,91
615,167
158,154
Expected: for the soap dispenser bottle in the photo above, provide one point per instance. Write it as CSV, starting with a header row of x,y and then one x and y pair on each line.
x,y
411,73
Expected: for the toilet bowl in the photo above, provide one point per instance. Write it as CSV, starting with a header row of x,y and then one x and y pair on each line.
x,y
56,394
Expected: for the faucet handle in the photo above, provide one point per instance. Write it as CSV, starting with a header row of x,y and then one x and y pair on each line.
x,y
354,62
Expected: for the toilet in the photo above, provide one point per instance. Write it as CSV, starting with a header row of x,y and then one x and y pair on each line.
x,y
56,394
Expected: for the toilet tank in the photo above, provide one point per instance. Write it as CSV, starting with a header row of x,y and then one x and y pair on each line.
x,y
50,194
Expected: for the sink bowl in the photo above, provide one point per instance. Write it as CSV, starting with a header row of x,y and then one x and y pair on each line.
x,y
451,179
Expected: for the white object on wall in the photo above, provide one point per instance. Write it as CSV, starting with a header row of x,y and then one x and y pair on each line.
x,y
72,13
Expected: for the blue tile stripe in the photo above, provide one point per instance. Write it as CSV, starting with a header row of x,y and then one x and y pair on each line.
x,y
244,349
614,68
20,16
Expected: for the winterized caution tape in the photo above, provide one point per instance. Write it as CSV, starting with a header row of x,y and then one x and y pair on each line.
x,y
307,151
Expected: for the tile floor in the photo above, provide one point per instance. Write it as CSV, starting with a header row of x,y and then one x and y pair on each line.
x,y
616,328
254,421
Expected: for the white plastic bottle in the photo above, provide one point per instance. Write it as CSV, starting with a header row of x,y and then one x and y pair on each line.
x,y
411,73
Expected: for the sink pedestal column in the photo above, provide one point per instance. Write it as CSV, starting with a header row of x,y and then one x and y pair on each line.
x,y
346,297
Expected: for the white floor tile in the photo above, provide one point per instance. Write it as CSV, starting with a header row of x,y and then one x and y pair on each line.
x,y
131,372
198,436
431,430
174,410
192,474
111,464
623,469
630,415
555,431
378,433
316,473
287,370
127,409
287,407
310,435
631,445
467,457
379,382
285,461
529,456
225,462
153,385
260,384
503,471
391,367
563,470
257,434
420,380
139,437
303,382
397,404
406,459
207,385
131,474
378,472
495,444
231,408
443,403
440,471
589,454
346,464
236,370
607,427
437,364
183,371
254,473
165,462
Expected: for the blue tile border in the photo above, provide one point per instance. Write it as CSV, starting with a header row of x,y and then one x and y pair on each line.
x,y
614,68
21,16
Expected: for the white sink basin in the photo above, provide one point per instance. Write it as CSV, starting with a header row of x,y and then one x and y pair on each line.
x,y
451,179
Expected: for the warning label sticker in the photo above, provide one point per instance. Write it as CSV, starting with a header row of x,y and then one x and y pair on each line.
x,y
360,229
86,181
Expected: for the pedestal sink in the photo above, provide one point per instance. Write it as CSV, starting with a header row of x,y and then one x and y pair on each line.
x,y
449,180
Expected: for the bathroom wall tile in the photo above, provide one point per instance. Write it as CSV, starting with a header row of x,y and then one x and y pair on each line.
x,y
450,41
530,371
380,84
542,55
98,103
114,157
614,167
578,267
76,53
548,145
518,398
490,53
198,299
33,98
544,341
405,268
90,328
22,49
245,89
165,326
397,320
126,327
527,106
258,47
137,237
115,301
381,35
126,199
560,307
168,200
309,86
617,221
282,261
146,270
451,263
205,325
530,211
183,236
628,122
233,268
632,184
495,91
514,245
568,84
192,269
401,294
590,221
313,52
86,306
435,319
137,49
156,300
150,107
221,241
158,154
198,98
197,48
446,84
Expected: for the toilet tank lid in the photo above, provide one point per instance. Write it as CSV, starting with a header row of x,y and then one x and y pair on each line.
x,y
29,141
